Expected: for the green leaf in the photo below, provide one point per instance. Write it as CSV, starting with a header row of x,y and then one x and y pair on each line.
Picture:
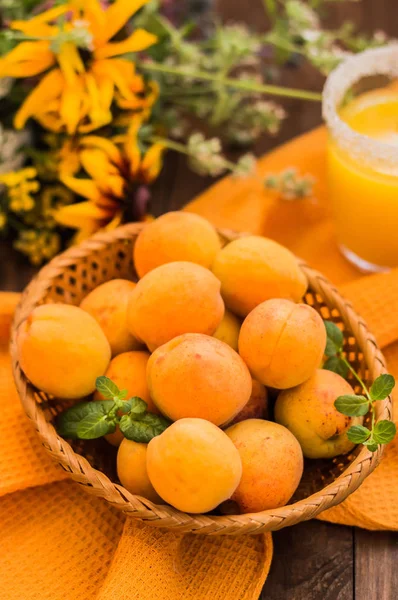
x,y
358,434
67,422
382,387
137,406
371,445
122,394
335,364
94,426
143,429
335,339
352,406
106,387
384,432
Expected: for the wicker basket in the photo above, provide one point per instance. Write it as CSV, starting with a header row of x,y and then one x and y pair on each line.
x,y
68,278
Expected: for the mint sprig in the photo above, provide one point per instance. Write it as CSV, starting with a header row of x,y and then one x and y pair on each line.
x,y
357,405
94,419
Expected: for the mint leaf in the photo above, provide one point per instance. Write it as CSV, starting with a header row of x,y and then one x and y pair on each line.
x,y
384,432
352,406
67,422
335,339
143,428
358,434
94,426
371,445
122,394
107,388
137,406
335,364
382,387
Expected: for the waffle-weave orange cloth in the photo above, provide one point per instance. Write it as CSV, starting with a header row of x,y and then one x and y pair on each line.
x,y
306,227
59,543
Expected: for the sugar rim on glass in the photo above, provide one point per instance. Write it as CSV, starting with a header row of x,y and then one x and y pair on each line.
x,y
378,155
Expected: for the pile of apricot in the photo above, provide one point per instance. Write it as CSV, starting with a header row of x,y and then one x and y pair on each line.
x,y
201,337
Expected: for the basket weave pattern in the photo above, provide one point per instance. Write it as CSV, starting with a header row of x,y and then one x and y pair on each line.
x,y
68,278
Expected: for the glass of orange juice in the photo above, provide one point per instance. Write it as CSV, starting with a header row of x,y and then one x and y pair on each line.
x,y
363,157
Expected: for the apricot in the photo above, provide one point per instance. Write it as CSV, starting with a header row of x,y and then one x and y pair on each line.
x,y
282,343
62,350
253,269
107,303
195,375
128,371
272,464
175,236
173,299
257,406
132,471
193,465
308,412
228,330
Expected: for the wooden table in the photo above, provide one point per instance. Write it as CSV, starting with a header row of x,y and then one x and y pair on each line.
x,y
313,560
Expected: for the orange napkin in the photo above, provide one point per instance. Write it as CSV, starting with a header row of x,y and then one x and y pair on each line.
x,y
306,227
59,543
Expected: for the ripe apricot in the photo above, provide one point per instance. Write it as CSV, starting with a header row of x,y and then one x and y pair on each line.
x,y
175,298
228,330
128,371
256,407
132,471
62,350
272,464
195,375
107,303
193,465
175,236
308,412
282,343
253,269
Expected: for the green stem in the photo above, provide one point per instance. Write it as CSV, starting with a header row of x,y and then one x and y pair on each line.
x,y
283,45
239,84
357,377
172,145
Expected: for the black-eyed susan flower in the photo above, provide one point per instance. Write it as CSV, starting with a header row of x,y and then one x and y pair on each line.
x,y
116,168
83,70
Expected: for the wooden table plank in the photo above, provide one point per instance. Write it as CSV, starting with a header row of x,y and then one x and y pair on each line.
x,y
376,565
312,561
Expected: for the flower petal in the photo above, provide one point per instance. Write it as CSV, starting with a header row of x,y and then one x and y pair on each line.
x,y
110,149
37,30
70,109
152,162
97,114
84,187
139,40
70,62
121,72
96,17
106,88
27,59
116,16
45,17
49,88
83,215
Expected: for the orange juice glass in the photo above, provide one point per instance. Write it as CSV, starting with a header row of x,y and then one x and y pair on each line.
x,y
363,160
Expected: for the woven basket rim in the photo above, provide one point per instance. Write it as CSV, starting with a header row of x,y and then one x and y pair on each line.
x,y
100,485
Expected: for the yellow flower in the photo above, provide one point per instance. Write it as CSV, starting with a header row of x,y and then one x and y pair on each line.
x,y
21,184
115,168
86,71
38,245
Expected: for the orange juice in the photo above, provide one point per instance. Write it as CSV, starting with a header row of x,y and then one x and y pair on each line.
x,y
364,196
